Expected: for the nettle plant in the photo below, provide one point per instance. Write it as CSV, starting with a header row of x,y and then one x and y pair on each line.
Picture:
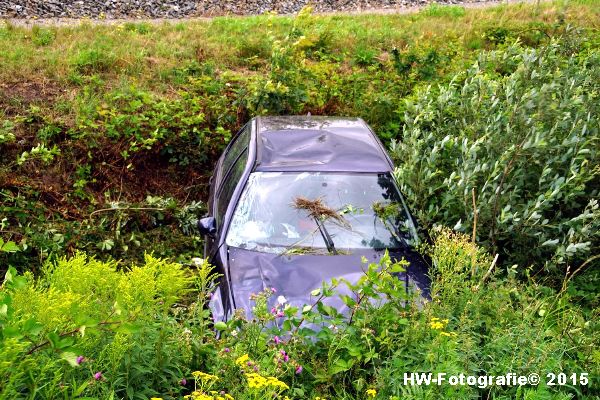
x,y
511,144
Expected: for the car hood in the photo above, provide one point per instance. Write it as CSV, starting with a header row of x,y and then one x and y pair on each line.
x,y
295,276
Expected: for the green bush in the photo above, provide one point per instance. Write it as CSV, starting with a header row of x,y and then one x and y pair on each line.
x,y
145,329
520,128
86,328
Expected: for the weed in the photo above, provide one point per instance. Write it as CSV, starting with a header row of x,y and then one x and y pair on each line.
x,y
436,10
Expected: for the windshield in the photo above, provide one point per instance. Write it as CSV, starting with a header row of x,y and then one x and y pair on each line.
x,y
320,213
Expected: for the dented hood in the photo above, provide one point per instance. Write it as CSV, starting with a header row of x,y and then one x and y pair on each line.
x,y
296,276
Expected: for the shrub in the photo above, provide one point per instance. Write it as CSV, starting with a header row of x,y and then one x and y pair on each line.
x,y
525,140
86,328
476,324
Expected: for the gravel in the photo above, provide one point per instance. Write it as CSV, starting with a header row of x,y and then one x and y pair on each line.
x,y
112,9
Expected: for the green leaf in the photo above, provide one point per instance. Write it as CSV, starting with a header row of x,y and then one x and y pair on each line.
x,y
220,326
32,328
9,247
54,339
128,328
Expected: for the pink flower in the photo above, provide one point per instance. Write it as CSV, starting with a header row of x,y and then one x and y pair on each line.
x,y
277,340
226,350
183,382
298,369
98,375
79,360
273,310
282,352
273,290
286,358
280,314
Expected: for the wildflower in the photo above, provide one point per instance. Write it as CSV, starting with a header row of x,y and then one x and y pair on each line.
x,y
183,382
255,368
79,360
449,334
156,398
281,300
273,310
234,333
203,376
277,340
298,369
226,350
98,375
280,314
438,324
371,392
242,360
249,363
286,358
257,381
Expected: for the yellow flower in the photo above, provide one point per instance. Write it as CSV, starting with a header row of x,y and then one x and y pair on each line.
x,y
156,398
257,381
241,361
449,334
203,376
202,396
371,392
276,383
437,323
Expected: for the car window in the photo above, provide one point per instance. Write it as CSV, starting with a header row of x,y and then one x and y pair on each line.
x,y
240,142
230,182
320,213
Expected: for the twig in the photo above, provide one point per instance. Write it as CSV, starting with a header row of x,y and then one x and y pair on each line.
x,y
488,273
507,169
567,279
127,209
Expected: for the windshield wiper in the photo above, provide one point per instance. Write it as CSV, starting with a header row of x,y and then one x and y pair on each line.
x,y
326,238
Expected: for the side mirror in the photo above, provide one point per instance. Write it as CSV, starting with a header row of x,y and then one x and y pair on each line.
x,y
207,226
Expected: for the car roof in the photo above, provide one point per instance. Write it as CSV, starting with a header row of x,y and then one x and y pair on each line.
x,y
317,143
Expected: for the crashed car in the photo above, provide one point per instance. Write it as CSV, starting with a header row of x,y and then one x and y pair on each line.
x,y
296,201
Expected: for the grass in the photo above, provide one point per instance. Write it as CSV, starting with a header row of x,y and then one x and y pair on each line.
x,y
144,52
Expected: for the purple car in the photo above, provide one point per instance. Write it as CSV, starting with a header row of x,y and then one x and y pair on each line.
x,y
295,201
